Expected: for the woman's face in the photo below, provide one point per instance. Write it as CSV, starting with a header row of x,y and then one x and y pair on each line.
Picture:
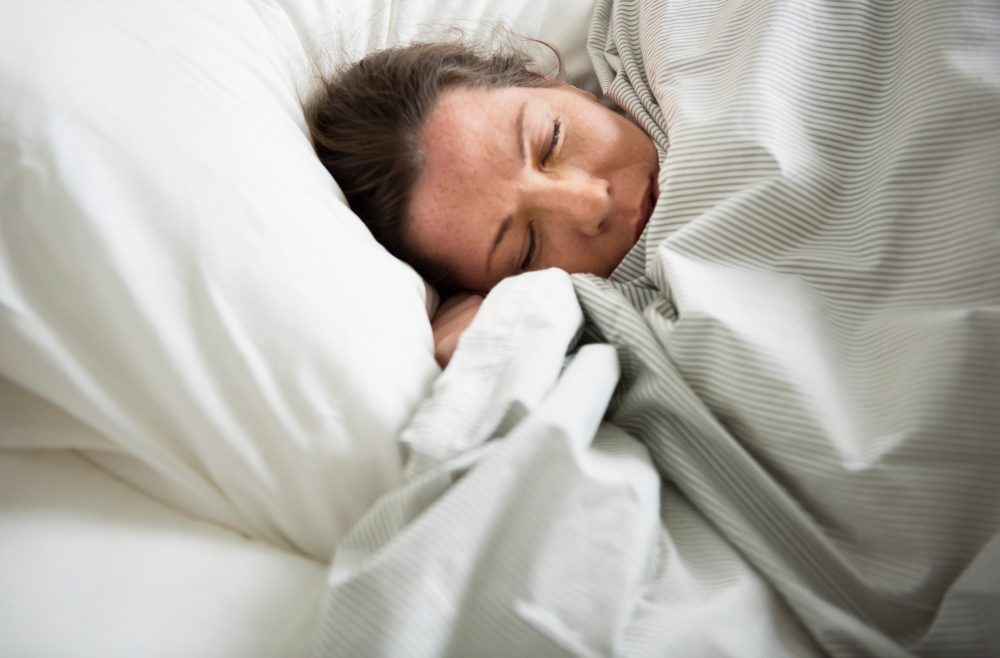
x,y
521,179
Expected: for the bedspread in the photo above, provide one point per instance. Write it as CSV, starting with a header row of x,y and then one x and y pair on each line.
x,y
529,527
785,441
818,297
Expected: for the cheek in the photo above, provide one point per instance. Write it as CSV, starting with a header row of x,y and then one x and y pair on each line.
x,y
612,140
601,128
633,139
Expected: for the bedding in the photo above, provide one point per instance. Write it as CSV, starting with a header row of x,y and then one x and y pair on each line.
x,y
340,31
772,432
205,359
828,327
179,273
92,567
808,337
526,526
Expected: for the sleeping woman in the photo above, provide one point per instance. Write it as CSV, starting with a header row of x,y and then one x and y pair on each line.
x,y
810,350
471,166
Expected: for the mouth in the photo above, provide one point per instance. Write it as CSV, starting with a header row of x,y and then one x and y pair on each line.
x,y
648,203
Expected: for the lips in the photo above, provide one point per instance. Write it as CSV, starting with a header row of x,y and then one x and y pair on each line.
x,y
648,203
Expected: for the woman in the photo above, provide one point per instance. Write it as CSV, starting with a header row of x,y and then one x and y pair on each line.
x,y
472,167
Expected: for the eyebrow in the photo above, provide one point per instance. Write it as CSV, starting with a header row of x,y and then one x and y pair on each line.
x,y
522,152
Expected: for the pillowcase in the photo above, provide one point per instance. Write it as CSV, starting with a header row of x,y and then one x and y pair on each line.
x,y
345,31
178,271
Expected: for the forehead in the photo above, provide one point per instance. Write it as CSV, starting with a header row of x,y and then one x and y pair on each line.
x,y
471,160
471,132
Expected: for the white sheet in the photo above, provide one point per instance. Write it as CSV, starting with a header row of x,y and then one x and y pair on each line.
x,y
93,568
527,529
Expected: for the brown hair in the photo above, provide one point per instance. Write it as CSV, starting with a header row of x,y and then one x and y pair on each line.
x,y
365,123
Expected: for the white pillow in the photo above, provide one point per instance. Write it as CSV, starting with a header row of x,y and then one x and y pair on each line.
x,y
179,272
348,30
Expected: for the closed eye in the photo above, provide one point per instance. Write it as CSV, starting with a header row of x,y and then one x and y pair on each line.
x,y
556,130
532,244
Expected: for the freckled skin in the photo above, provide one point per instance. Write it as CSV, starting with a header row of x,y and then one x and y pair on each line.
x,y
583,203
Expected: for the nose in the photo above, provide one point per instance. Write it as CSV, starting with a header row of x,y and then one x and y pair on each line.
x,y
573,199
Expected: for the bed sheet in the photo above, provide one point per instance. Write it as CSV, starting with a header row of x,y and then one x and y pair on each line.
x,y
93,567
527,526
817,295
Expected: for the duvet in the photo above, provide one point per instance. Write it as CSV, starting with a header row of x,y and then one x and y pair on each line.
x,y
774,430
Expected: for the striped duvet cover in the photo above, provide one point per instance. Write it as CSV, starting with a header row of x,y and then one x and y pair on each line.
x,y
792,444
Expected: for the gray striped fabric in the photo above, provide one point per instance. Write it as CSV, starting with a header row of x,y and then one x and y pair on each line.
x,y
527,527
800,446
820,371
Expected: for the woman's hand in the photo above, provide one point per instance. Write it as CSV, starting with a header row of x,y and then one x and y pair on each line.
x,y
453,316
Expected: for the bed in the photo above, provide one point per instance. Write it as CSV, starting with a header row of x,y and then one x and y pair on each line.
x,y
773,431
